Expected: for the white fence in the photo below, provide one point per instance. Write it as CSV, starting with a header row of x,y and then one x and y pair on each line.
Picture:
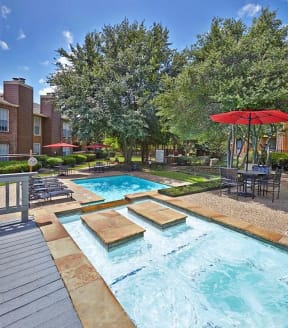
x,y
14,194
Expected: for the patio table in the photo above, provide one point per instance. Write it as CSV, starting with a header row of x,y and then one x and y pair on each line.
x,y
252,177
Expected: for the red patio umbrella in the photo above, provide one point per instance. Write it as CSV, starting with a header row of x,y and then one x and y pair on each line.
x,y
248,117
60,145
97,146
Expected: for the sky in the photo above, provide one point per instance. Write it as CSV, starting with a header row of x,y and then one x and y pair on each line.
x,y
31,31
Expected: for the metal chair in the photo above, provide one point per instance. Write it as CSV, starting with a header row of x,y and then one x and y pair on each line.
x,y
271,184
230,179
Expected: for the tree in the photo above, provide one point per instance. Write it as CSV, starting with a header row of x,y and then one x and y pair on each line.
x,y
232,66
111,81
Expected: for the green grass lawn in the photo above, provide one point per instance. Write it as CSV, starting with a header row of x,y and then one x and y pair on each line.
x,y
178,176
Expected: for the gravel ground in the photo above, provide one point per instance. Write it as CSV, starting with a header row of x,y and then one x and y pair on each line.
x,y
260,210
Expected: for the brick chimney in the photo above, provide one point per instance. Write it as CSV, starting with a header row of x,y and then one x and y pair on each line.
x,y
21,94
51,132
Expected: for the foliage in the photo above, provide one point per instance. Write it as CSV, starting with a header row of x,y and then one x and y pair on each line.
x,y
279,160
110,82
69,160
53,161
90,157
42,159
79,158
192,188
15,167
231,66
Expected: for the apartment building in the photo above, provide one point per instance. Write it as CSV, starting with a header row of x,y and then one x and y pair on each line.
x,y
26,126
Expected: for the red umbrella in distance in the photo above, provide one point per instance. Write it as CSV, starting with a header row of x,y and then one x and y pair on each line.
x,y
97,146
248,117
60,145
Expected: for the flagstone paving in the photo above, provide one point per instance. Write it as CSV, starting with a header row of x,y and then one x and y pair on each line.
x,y
112,228
159,215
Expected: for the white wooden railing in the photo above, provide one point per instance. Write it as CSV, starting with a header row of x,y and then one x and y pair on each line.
x,y
14,194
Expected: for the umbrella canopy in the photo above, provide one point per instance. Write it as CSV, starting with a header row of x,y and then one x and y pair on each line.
x,y
60,145
249,116
96,146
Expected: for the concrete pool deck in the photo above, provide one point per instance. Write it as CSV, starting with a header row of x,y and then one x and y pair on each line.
x,y
92,299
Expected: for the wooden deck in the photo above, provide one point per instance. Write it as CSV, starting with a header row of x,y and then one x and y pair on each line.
x,y
32,293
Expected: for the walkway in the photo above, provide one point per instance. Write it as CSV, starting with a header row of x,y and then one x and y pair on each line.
x,y
32,293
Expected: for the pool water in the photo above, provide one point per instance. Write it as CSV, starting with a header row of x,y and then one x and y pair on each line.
x,y
115,188
197,274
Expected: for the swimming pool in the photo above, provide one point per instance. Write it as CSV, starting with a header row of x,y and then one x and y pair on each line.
x,y
116,187
197,274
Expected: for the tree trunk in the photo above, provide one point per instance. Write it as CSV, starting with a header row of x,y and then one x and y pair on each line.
x,y
144,153
128,144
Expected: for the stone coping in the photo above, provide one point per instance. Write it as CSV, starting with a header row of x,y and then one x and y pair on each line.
x,y
112,228
159,215
93,300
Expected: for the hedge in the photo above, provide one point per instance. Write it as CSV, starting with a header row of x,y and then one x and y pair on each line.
x,y
7,167
191,188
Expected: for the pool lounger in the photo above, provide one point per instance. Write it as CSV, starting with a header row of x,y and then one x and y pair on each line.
x,y
55,193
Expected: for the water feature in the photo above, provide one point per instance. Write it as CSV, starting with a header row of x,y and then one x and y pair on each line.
x,y
197,274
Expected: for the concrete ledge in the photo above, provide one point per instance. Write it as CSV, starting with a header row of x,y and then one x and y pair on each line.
x,y
112,228
97,207
97,307
53,231
159,215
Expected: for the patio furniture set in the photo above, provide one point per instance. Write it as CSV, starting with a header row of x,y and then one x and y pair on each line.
x,y
97,167
248,183
47,188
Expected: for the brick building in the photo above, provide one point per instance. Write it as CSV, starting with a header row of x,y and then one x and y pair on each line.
x,y
25,125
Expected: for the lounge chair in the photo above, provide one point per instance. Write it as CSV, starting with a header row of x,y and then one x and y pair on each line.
x,y
47,188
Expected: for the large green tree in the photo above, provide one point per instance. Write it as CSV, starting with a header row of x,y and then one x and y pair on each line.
x,y
231,66
110,81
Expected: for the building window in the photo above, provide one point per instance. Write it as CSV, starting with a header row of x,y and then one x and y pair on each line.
x,y
4,120
66,130
66,151
4,150
37,126
36,148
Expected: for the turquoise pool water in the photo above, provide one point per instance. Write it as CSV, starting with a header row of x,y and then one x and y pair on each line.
x,y
197,274
114,188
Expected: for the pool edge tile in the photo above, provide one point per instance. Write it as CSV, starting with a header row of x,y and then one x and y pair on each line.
x,y
97,306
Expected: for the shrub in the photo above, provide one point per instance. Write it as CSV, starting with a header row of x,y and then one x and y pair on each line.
x,y
80,158
111,154
191,189
90,157
42,159
7,167
279,160
69,160
53,161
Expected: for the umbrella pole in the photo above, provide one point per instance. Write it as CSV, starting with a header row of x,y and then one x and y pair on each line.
x,y
248,141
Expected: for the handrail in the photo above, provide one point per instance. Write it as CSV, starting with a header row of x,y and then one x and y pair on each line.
x,y
14,194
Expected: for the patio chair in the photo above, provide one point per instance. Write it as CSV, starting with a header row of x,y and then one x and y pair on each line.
x,y
230,179
271,184
98,167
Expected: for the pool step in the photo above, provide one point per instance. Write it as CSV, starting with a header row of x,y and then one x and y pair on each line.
x,y
112,228
159,215
101,206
